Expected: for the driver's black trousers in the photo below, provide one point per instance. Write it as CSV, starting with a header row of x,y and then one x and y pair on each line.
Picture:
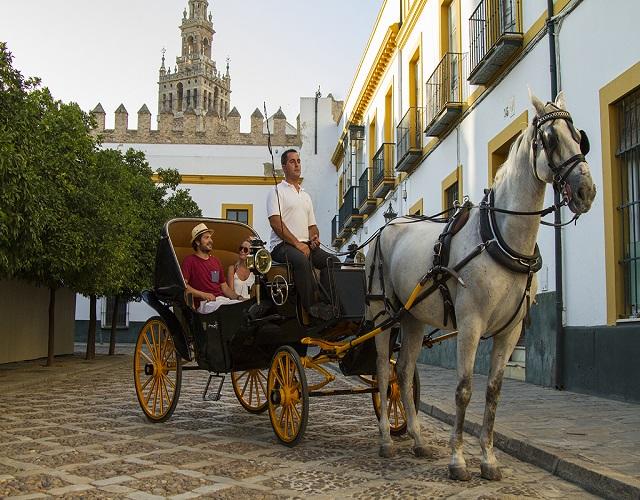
x,y
303,270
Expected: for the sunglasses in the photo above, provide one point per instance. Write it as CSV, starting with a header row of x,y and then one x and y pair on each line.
x,y
245,249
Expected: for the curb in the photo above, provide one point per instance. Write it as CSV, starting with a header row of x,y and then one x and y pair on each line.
x,y
601,481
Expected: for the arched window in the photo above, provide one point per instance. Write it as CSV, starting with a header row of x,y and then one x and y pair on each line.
x,y
216,101
171,100
206,47
180,96
188,98
190,45
195,98
164,101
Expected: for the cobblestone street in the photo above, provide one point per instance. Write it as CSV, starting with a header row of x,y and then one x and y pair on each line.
x,y
81,434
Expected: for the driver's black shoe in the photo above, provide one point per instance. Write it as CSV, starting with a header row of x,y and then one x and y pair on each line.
x,y
321,311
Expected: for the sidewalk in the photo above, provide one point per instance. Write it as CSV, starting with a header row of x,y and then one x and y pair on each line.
x,y
591,441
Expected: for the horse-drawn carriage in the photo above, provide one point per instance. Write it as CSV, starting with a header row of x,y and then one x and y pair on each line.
x,y
266,342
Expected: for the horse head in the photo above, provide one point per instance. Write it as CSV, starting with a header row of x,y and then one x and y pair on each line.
x,y
559,151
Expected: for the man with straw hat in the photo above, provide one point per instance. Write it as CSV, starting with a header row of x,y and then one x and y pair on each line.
x,y
204,275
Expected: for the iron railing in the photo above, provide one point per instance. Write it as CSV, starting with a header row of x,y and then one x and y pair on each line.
x,y
363,187
382,164
409,132
348,207
447,84
491,20
628,154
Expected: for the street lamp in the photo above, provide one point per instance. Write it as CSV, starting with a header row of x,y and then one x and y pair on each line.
x,y
389,214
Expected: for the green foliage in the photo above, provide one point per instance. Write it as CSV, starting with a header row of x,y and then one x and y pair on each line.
x,y
72,214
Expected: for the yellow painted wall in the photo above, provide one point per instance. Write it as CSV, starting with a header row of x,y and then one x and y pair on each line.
x,y
24,309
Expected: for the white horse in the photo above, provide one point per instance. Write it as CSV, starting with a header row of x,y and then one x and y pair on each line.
x,y
550,151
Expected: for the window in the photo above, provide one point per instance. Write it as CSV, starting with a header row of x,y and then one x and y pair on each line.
x,y
619,123
417,208
499,146
628,155
452,188
240,213
107,313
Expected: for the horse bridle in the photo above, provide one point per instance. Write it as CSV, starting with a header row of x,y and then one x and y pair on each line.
x,y
560,172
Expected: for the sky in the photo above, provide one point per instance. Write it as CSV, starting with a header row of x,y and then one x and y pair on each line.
x,y
109,51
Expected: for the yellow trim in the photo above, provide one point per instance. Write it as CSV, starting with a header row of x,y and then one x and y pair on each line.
x,y
237,206
364,54
415,63
372,139
409,22
378,68
609,94
388,115
338,152
450,180
505,137
417,208
225,180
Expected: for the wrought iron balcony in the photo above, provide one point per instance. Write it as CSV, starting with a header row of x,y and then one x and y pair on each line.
x,y
409,139
383,176
336,241
366,202
349,215
495,31
447,90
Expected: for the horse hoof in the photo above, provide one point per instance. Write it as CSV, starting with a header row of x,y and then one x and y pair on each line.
x,y
386,451
490,472
426,451
459,473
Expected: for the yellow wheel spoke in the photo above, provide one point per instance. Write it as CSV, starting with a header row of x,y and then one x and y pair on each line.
x,y
173,386
146,340
146,383
244,387
296,412
146,357
261,381
148,398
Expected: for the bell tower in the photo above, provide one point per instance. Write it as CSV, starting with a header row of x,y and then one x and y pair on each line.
x,y
195,84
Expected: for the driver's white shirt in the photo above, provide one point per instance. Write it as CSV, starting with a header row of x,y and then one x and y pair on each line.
x,y
296,208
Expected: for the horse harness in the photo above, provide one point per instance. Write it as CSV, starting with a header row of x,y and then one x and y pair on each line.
x,y
492,241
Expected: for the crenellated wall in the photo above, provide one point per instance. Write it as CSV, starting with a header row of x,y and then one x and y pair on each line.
x,y
192,128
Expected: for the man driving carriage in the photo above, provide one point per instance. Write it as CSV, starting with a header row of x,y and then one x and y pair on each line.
x,y
204,275
295,237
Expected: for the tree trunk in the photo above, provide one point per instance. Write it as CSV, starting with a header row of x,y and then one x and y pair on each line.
x,y
91,334
114,321
52,324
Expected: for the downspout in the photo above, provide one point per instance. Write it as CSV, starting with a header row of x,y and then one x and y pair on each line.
x,y
315,124
558,381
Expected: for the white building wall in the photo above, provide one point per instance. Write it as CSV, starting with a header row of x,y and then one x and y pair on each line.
x,y
595,44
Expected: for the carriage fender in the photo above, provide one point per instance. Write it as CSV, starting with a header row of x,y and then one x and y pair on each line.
x,y
175,328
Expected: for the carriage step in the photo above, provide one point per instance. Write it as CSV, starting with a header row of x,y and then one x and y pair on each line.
x,y
215,396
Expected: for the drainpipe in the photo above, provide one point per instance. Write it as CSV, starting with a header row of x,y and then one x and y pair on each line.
x,y
558,381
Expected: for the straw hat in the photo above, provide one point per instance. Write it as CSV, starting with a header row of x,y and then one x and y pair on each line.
x,y
198,230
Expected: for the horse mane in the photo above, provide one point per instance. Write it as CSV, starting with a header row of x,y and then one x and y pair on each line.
x,y
523,140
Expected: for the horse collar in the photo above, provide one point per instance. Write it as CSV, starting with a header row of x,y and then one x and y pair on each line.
x,y
498,248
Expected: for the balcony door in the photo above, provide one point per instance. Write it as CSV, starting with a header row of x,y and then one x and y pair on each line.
x,y
453,28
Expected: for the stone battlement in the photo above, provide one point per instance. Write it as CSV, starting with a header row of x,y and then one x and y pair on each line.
x,y
192,128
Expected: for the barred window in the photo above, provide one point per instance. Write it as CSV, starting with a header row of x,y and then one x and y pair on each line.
x,y
628,154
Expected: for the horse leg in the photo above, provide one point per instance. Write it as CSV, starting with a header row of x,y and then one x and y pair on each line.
x,y
503,346
412,334
382,375
466,354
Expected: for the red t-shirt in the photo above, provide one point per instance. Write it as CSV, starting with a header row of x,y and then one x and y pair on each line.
x,y
204,275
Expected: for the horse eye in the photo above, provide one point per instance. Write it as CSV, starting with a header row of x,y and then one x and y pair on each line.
x,y
552,140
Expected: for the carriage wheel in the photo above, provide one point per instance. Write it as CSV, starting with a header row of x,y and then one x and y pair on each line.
x,y
250,387
395,408
157,370
288,396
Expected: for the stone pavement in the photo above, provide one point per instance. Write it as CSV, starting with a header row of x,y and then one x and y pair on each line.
x,y
594,442
76,431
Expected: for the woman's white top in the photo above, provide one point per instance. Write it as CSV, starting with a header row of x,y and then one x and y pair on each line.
x,y
242,287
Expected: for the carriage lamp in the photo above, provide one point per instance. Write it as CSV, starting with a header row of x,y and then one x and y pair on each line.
x,y
389,214
260,261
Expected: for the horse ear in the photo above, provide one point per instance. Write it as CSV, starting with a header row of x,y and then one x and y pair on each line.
x,y
537,104
560,101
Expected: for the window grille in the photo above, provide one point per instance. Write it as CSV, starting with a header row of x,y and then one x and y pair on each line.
x,y
238,214
628,154
451,195
107,313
